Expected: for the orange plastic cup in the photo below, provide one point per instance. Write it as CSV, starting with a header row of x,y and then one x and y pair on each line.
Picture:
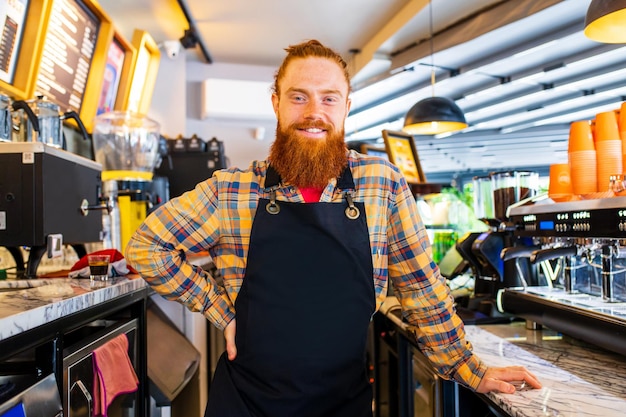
x,y
606,126
583,171
580,137
621,125
621,117
609,162
560,186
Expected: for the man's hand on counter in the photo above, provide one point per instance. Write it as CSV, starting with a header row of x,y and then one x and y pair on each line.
x,y
503,379
229,335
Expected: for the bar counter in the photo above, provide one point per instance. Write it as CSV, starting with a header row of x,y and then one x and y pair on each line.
x,y
578,379
29,304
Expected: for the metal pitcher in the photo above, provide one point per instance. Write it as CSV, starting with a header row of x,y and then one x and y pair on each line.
x,y
40,120
5,118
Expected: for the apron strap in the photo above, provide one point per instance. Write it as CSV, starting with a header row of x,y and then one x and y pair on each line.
x,y
344,182
272,178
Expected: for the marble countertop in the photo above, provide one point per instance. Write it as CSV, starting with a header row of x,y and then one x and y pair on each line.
x,y
27,304
578,379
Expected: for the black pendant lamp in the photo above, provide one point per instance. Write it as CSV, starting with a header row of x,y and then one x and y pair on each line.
x,y
606,21
433,115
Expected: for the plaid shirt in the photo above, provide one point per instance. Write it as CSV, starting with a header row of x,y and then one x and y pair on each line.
x,y
217,217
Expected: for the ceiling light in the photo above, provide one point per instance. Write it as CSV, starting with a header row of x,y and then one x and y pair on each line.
x,y
433,115
606,21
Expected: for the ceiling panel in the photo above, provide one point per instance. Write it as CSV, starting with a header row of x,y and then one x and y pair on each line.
x,y
521,70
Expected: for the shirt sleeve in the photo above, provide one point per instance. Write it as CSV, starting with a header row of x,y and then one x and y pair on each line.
x,y
186,224
425,298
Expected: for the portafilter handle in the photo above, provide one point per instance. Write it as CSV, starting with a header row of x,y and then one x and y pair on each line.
x,y
541,255
516,252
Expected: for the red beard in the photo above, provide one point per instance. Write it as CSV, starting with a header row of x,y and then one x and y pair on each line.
x,y
308,162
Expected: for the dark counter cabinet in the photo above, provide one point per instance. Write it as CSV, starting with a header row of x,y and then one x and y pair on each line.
x,y
405,384
63,343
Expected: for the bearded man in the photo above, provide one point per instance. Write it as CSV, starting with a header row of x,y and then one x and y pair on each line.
x,y
307,243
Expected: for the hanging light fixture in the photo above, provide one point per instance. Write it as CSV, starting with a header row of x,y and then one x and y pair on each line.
x,y
606,21
433,115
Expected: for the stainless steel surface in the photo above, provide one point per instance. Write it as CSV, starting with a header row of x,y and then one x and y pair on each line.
x,y
41,400
42,148
37,120
78,369
588,219
6,120
548,206
111,232
581,256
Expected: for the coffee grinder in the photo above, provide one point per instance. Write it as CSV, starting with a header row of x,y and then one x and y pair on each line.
x,y
484,251
127,146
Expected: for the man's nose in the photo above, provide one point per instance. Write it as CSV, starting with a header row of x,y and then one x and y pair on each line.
x,y
313,110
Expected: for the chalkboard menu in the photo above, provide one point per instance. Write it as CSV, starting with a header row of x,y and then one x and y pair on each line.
x,y
12,16
67,53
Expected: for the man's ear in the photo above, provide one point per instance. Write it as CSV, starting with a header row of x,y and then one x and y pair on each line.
x,y
275,103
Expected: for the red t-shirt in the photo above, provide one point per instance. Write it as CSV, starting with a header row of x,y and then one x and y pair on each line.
x,y
311,194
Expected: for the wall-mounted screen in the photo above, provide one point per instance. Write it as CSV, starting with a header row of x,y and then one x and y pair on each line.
x,y
112,75
13,18
67,53
403,154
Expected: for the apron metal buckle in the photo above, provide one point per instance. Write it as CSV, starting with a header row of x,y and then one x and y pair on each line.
x,y
352,212
272,207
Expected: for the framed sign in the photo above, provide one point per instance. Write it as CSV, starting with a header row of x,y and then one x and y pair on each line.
x,y
116,83
402,153
23,35
144,72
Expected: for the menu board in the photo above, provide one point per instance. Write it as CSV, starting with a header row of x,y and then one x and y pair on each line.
x,y
12,16
67,53
112,75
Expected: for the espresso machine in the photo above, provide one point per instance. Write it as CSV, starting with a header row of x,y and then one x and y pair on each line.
x,y
48,198
584,293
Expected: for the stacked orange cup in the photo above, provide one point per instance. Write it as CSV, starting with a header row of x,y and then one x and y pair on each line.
x,y
621,124
560,186
608,148
581,153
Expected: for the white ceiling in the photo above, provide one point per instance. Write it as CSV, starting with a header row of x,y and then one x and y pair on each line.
x,y
521,70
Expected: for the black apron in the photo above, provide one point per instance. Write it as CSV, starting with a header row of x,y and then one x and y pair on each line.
x,y
302,313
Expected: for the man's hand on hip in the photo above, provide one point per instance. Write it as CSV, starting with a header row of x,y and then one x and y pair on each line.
x,y
229,335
